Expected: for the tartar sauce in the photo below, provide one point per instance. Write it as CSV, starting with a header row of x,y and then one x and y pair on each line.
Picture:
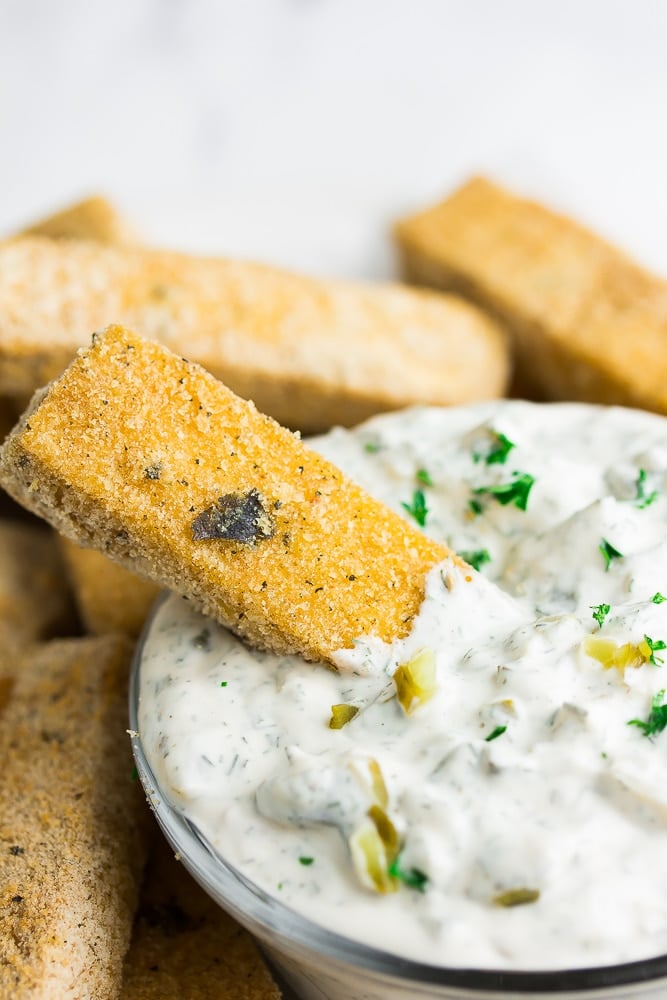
x,y
496,794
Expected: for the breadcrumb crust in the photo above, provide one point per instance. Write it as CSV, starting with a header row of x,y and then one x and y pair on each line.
x,y
587,323
310,353
185,946
339,564
71,822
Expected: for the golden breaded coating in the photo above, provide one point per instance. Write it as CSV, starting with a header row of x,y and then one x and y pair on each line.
x,y
108,597
71,822
93,218
35,600
587,322
134,451
309,353
184,947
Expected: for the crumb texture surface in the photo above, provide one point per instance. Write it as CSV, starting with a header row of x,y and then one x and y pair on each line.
x,y
185,946
71,821
128,448
587,323
310,353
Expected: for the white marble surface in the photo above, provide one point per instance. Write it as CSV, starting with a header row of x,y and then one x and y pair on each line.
x,y
295,130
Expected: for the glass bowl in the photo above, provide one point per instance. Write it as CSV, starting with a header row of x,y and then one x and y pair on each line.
x,y
318,964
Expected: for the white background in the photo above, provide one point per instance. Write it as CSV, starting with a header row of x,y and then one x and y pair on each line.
x,y
295,130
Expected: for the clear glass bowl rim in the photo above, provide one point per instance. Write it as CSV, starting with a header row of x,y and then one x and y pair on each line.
x,y
260,912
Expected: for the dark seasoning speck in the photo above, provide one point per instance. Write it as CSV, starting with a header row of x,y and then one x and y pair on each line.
x,y
244,517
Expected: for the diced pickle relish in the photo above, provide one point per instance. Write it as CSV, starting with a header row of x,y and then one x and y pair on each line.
x,y
489,791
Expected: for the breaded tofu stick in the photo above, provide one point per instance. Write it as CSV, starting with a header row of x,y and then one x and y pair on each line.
x,y
587,322
93,218
35,600
71,823
147,457
108,597
309,353
184,947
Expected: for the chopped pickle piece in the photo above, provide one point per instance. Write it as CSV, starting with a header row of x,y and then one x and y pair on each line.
x,y
341,715
377,783
610,654
371,858
516,897
386,830
416,680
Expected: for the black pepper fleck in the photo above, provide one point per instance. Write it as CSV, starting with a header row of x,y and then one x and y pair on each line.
x,y
153,471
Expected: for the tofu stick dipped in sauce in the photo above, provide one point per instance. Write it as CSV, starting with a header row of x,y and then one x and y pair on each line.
x,y
445,792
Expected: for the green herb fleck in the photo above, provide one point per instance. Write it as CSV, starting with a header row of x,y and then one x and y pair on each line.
x,y
658,598
498,731
644,499
424,477
476,558
223,684
413,878
657,717
608,553
306,861
516,492
600,612
372,447
500,451
417,508
655,645
135,774
476,507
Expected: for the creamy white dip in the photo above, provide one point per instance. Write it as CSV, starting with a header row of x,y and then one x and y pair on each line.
x,y
537,771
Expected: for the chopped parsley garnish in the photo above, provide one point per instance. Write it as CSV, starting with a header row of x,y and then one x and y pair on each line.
x,y
417,508
658,598
306,861
424,477
655,645
476,507
600,612
223,684
372,447
657,717
516,492
644,499
476,558
497,454
501,449
414,878
498,731
135,775
608,553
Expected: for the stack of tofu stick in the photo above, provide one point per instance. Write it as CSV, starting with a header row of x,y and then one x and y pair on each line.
x,y
94,456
